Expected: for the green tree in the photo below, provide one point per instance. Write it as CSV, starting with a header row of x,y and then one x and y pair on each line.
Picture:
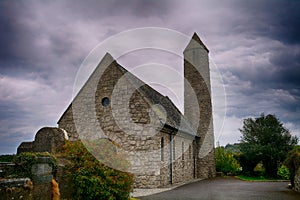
x,y
266,139
225,161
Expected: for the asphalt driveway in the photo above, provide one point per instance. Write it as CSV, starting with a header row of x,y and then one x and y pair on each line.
x,y
228,188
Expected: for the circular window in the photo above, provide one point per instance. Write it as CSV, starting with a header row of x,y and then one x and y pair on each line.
x,y
105,101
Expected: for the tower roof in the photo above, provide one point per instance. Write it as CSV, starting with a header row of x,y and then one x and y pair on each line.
x,y
195,41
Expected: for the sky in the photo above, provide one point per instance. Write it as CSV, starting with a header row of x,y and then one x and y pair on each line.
x,y
254,49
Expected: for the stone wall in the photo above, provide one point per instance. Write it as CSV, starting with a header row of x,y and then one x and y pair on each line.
x,y
25,147
297,180
182,160
47,139
182,163
183,167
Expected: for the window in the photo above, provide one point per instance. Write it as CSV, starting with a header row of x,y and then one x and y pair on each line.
x,y
162,149
190,152
182,150
105,101
173,149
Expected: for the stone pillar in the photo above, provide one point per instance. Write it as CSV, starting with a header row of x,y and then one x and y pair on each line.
x,y
41,177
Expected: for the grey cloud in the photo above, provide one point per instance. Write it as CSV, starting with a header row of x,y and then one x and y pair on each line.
x,y
276,19
44,42
287,62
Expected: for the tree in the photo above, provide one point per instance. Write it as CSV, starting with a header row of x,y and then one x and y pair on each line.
x,y
225,161
266,139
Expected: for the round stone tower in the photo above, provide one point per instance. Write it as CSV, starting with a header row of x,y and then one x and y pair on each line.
x,y
198,104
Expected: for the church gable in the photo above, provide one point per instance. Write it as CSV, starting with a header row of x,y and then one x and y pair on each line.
x,y
160,143
114,105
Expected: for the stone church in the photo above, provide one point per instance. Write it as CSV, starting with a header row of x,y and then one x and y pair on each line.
x,y
161,145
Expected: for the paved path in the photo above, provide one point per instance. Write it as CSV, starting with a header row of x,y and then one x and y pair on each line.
x,y
228,188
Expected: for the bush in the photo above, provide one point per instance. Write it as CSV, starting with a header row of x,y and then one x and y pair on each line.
x,y
283,172
23,164
92,179
259,170
7,158
247,163
225,161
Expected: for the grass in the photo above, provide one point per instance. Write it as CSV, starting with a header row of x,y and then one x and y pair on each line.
x,y
258,178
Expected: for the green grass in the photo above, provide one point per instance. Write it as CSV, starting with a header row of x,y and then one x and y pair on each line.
x,y
258,178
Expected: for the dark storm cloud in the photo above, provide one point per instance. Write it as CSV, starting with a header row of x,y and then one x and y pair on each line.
x,y
276,19
93,9
8,31
287,63
42,44
263,62
35,31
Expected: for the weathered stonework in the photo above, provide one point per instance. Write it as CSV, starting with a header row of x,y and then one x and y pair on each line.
x,y
197,83
25,147
146,128
297,180
47,139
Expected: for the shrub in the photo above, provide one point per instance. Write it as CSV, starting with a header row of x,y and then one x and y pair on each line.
x,y
7,158
283,172
92,179
248,165
23,164
259,170
225,161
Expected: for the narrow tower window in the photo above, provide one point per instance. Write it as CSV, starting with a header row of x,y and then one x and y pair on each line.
x,y
182,150
162,149
190,152
174,148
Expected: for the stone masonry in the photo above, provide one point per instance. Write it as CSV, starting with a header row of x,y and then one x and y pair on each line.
x,y
297,180
47,139
197,83
162,146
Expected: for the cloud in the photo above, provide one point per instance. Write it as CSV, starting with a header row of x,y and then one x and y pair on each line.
x,y
26,106
255,45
